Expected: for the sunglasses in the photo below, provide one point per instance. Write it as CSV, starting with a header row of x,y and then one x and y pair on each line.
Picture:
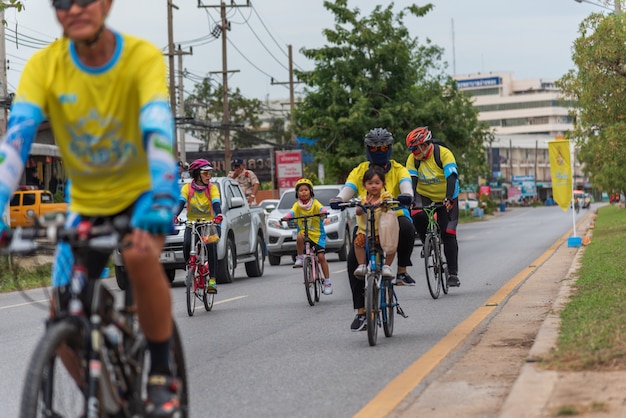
x,y
419,147
66,4
205,172
382,148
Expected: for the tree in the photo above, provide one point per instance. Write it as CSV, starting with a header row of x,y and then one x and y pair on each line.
x,y
205,107
597,87
371,73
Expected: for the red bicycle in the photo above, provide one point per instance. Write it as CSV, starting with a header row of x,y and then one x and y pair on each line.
x,y
198,272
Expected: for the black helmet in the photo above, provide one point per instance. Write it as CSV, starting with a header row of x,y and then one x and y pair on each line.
x,y
377,137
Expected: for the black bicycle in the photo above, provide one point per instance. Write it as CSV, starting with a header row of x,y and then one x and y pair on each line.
x,y
380,296
434,259
93,359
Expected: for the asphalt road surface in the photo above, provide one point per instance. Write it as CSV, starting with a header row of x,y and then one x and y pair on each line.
x,y
263,351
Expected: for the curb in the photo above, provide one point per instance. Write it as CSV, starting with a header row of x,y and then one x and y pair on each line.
x,y
533,387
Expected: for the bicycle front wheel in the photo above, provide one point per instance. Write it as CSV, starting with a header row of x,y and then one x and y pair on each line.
x,y
445,273
51,389
388,311
372,310
319,281
179,369
432,265
309,282
191,293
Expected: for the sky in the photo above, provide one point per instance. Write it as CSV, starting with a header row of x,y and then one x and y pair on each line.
x,y
530,38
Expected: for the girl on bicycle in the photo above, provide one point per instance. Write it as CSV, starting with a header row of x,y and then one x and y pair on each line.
x,y
305,205
203,203
374,183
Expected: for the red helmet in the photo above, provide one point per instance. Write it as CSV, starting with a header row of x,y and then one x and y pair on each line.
x,y
417,137
197,166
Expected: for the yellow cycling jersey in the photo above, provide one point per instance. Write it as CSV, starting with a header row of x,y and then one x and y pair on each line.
x,y
95,114
200,207
397,174
317,233
431,179
361,220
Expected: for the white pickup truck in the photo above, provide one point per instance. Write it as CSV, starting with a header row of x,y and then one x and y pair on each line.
x,y
243,239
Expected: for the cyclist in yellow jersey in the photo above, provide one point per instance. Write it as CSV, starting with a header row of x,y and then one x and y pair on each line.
x,y
105,96
378,143
435,178
203,203
305,205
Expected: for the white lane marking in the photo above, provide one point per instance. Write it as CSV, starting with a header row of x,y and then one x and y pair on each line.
x,y
24,304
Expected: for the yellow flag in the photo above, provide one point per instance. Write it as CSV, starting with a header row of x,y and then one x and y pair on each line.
x,y
561,172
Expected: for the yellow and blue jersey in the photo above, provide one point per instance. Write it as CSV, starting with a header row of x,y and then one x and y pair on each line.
x,y
317,233
99,117
199,206
431,179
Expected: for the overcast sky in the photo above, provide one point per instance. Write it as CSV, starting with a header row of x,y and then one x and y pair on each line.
x,y
531,38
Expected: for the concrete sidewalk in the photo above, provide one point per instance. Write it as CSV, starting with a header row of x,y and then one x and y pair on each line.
x,y
494,373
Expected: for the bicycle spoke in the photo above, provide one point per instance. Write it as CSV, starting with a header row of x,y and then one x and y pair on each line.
x,y
372,310
309,284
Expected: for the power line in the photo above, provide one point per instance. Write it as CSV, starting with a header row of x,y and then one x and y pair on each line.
x,y
265,47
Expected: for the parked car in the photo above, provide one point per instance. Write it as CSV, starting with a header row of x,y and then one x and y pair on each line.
x,y
338,226
269,205
469,203
28,204
242,241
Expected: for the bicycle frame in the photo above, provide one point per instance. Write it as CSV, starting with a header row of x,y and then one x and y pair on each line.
x,y
316,280
198,268
434,260
380,296
101,347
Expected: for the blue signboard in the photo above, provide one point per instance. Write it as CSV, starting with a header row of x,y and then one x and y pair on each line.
x,y
478,82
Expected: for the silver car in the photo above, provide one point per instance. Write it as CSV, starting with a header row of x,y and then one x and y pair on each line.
x,y
339,226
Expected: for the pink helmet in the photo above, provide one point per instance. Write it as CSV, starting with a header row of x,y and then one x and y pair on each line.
x,y
197,166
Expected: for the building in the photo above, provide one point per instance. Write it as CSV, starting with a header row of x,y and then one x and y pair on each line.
x,y
524,115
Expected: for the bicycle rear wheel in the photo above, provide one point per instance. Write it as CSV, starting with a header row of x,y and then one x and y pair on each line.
x,y
372,300
388,312
207,297
319,281
191,293
49,388
445,272
432,266
309,283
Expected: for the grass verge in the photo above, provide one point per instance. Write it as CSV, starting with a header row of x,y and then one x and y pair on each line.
x,y
593,323
17,276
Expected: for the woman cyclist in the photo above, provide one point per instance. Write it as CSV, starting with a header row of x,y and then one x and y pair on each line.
x,y
203,203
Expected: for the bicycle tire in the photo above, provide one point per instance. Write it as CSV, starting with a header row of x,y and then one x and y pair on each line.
x,y
372,310
179,370
445,273
207,298
190,292
319,281
48,385
309,284
389,311
431,266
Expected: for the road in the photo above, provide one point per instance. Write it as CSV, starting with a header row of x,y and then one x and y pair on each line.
x,y
263,351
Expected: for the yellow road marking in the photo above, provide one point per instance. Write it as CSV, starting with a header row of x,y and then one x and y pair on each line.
x,y
390,397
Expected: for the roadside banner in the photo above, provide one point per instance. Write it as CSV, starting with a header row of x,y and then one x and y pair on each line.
x,y
561,172
288,169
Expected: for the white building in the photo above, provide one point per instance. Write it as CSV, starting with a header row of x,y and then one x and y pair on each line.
x,y
524,115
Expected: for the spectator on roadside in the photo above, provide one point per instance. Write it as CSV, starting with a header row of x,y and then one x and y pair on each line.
x,y
247,180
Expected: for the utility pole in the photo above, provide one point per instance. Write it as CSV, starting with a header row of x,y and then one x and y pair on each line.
x,y
292,100
181,102
225,25
170,55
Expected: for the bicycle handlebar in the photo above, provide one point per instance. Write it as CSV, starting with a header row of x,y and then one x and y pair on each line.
x,y
105,236
355,203
295,218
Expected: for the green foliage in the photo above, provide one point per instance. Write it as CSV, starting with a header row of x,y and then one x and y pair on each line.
x,y
597,86
592,323
372,73
17,276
